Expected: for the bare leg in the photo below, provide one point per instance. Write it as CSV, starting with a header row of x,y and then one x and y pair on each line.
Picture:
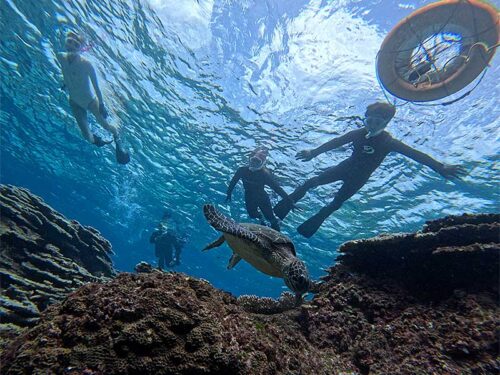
x,y
80,115
94,109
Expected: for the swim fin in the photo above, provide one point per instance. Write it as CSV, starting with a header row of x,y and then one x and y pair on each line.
x,y
122,156
310,226
99,142
283,208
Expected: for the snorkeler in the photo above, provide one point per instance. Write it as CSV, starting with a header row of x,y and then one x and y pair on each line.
x,y
255,176
78,73
371,145
166,241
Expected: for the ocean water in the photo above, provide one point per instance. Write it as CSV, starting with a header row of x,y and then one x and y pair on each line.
x,y
195,86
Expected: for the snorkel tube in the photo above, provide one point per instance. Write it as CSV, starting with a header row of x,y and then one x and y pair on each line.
x,y
257,159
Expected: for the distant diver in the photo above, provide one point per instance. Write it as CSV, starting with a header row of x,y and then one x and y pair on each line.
x,y
168,245
78,72
371,145
255,177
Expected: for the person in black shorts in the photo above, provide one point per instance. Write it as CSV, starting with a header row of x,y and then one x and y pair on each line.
x,y
371,145
255,176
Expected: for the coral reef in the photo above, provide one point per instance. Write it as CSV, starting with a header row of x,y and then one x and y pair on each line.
x,y
158,323
266,305
144,267
43,257
377,312
450,253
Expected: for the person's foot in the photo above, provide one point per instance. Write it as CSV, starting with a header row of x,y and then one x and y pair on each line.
x,y
99,142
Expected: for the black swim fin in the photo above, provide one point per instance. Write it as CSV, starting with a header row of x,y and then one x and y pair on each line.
x,y
122,156
309,227
283,208
99,142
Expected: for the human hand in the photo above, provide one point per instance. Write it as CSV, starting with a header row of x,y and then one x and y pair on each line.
x,y
305,155
450,171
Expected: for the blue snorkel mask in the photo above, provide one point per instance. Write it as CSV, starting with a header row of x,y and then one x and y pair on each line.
x,y
375,125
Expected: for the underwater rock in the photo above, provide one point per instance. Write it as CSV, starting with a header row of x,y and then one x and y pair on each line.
x,y
360,321
159,323
266,305
144,267
43,258
450,253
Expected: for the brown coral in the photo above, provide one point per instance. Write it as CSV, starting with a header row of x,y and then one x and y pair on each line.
x,y
158,323
416,303
43,257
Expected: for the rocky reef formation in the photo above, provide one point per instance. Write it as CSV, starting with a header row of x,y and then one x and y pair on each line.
x,y
449,253
362,321
43,258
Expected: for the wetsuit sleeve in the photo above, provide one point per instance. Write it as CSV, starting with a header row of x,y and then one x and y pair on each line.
x,y
337,142
153,237
416,155
273,184
234,181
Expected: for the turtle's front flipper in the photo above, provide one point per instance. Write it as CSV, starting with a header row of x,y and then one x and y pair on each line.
x,y
227,225
219,241
235,258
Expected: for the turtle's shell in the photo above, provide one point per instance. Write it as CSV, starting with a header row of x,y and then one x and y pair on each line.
x,y
262,257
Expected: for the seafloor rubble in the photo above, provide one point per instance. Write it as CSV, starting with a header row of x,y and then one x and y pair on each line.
x,y
43,257
422,303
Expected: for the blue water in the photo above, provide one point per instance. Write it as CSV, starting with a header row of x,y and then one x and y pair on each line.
x,y
195,85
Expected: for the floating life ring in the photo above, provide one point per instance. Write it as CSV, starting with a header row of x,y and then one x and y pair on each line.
x,y
438,50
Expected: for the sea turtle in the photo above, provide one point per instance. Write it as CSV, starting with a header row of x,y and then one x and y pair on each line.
x,y
268,250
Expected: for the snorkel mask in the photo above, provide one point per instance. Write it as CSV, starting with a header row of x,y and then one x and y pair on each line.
x,y
375,125
75,43
377,116
257,159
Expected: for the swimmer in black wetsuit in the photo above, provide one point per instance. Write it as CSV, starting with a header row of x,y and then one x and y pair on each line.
x,y
255,176
168,245
371,145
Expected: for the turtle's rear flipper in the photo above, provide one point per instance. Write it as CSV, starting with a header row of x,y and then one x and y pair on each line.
x,y
227,225
235,258
219,241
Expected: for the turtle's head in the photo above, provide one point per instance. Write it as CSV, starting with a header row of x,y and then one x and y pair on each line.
x,y
297,278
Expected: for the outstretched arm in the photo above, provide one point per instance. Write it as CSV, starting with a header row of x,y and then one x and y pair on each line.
x,y
307,155
233,183
447,171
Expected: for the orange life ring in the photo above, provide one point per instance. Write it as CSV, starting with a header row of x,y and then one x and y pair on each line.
x,y
476,29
